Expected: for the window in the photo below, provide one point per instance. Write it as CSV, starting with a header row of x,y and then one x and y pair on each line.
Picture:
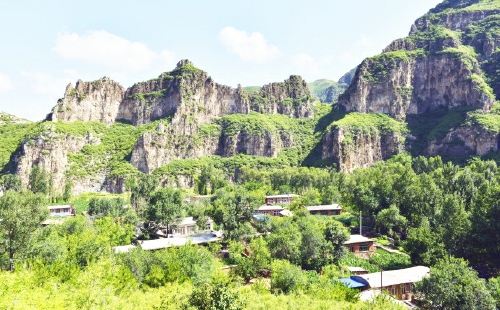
x,y
364,247
404,288
324,212
393,291
313,212
58,210
271,200
276,213
285,200
351,248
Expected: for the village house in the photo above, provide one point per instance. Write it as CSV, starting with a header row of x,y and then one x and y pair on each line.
x,y
272,211
359,244
65,210
189,226
398,283
282,199
329,210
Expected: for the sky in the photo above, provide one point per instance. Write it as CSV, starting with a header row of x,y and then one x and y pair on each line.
x,y
45,45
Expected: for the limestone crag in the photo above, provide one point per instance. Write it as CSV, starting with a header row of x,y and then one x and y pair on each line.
x,y
89,101
291,97
268,145
465,140
359,149
158,148
49,150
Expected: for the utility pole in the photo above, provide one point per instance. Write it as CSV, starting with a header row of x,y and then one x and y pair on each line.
x,y
360,224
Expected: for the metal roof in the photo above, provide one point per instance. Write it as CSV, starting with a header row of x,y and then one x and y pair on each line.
x,y
353,283
357,239
58,207
282,196
394,277
324,207
355,269
176,241
270,208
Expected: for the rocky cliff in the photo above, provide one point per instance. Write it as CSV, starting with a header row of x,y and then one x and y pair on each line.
x,y
89,101
448,61
49,150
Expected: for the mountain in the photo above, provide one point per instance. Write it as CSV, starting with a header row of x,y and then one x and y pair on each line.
x,y
433,92
100,133
440,82
328,91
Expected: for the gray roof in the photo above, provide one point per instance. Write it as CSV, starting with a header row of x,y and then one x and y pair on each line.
x,y
394,277
176,241
270,208
282,196
324,207
357,239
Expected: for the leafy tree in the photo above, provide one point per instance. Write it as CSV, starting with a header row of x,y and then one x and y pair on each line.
x,y
285,241
250,259
389,220
142,189
286,277
233,209
424,246
21,215
39,180
11,182
165,208
453,285
336,234
215,295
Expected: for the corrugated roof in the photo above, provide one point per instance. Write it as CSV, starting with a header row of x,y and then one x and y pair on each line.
x,y
58,207
282,196
357,239
270,208
324,207
394,277
176,241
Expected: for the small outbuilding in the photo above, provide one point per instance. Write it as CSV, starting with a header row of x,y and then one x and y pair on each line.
x,y
64,210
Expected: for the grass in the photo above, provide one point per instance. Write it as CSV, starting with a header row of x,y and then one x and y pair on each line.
x,y
368,123
11,136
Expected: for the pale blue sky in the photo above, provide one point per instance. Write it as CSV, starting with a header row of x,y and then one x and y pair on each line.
x,y
47,44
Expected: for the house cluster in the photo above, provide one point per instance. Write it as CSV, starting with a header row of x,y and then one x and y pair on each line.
x,y
272,207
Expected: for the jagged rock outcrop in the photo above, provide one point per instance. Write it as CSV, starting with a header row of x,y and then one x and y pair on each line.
x,y
432,68
49,150
291,97
415,84
89,101
359,149
464,140
186,92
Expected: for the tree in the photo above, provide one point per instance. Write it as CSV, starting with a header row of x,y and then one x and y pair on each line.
x,y
285,241
39,180
389,220
336,234
11,182
215,295
20,214
165,207
233,209
142,189
424,245
453,285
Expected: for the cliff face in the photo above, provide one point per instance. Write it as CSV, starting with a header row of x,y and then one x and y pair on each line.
x,y
89,101
49,150
193,99
435,66
465,140
186,91
449,61
359,149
